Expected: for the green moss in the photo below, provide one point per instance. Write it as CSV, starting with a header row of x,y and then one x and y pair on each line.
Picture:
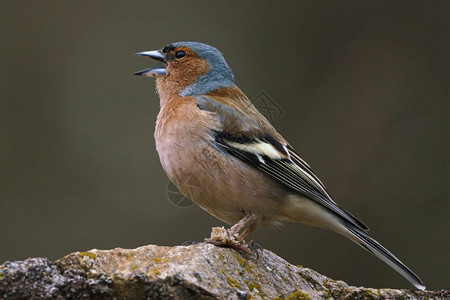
x,y
1,276
156,272
298,295
87,253
157,260
233,282
221,256
253,286
325,284
243,262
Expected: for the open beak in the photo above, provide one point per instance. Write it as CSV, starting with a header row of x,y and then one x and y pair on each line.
x,y
153,72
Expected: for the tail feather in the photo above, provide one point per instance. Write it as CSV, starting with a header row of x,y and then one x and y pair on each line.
x,y
366,242
303,210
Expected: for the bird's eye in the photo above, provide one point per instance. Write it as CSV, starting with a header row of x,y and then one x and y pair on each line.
x,y
180,54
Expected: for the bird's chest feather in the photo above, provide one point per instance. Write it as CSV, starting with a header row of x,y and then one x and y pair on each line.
x,y
184,142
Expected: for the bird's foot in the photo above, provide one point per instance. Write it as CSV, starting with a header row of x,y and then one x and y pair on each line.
x,y
254,246
228,238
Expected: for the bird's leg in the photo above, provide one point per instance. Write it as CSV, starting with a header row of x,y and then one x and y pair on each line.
x,y
251,226
236,228
232,237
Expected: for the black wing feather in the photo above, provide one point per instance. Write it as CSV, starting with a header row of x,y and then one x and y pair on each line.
x,y
289,171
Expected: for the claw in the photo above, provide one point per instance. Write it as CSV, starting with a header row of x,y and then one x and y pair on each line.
x,y
188,243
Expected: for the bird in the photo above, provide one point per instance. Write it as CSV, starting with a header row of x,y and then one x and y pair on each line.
x,y
224,155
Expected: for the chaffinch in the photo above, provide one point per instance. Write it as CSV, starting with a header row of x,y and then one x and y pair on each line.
x,y
224,155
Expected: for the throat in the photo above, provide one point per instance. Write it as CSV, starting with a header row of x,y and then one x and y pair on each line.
x,y
166,90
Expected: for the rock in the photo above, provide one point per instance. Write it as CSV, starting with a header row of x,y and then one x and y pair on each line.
x,y
200,271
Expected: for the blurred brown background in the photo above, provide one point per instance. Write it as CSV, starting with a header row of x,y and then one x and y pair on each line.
x,y
364,93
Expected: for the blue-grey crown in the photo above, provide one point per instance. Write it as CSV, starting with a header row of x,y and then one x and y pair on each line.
x,y
219,76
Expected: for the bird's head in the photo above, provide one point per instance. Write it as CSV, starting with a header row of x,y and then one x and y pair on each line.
x,y
189,69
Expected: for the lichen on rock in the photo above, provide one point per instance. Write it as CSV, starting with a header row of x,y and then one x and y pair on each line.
x,y
182,272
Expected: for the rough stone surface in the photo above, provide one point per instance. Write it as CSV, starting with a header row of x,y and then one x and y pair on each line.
x,y
200,271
